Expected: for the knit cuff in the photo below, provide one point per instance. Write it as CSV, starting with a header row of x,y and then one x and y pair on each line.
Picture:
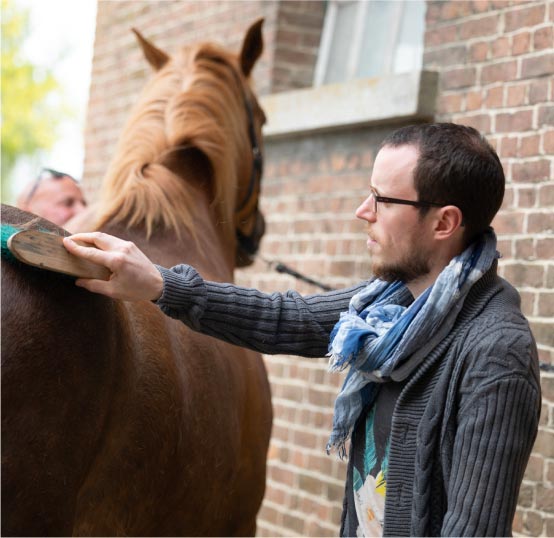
x,y
184,294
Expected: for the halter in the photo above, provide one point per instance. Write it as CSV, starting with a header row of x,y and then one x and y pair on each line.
x,y
247,242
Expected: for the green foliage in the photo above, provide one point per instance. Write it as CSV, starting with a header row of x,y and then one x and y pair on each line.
x,y
30,116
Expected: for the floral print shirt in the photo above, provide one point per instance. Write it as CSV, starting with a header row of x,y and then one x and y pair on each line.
x,y
368,470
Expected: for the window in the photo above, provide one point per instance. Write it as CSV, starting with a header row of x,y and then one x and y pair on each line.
x,y
370,38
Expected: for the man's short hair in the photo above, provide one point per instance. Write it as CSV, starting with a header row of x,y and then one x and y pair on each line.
x,y
456,166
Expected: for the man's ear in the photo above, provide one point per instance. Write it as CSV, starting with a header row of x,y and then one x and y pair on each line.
x,y
448,222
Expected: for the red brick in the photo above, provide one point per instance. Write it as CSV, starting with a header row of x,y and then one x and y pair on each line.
x,y
535,468
501,47
524,274
499,72
543,38
545,248
481,122
540,223
517,95
484,26
523,17
546,304
527,303
447,104
508,222
480,6
432,14
538,66
548,142
545,498
495,97
479,52
458,78
529,146
545,444
524,249
546,115
474,100
455,10
504,246
521,43
538,91
514,122
544,336
546,195
295,523
441,36
533,523
526,196
508,147
531,172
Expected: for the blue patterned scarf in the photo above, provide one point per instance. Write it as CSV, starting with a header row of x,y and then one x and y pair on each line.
x,y
380,335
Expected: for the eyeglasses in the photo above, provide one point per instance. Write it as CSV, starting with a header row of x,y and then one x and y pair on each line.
x,y
44,174
385,199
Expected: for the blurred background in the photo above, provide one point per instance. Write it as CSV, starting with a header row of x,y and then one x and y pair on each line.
x,y
46,65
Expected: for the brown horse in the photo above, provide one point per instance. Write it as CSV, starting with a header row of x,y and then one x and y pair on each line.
x,y
117,420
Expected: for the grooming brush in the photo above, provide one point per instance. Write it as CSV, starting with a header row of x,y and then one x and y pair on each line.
x,y
46,251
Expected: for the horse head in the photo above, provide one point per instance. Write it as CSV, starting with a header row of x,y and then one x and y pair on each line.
x,y
197,121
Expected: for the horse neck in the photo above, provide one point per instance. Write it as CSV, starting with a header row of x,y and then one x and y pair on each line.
x,y
206,246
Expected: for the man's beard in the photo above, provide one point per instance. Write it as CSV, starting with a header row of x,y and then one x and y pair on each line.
x,y
406,270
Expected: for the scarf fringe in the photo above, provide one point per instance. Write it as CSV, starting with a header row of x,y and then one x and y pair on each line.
x,y
339,363
338,446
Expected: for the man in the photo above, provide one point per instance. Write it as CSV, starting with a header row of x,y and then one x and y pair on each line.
x,y
442,396
53,195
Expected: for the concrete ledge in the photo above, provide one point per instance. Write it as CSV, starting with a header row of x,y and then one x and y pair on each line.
x,y
351,104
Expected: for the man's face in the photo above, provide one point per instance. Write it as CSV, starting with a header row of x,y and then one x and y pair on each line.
x,y
57,199
398,237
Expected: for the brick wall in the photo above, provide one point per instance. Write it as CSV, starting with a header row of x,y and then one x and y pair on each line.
x,y
496,62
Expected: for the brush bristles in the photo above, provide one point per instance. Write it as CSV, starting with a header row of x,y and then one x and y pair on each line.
x,y
7,232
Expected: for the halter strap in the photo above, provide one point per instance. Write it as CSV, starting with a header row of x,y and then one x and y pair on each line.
x,y
257,158
247,242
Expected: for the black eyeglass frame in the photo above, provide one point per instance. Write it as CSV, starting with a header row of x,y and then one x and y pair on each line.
x,y
54,174
416,203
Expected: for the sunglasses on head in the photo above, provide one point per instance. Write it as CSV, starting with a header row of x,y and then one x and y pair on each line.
x,y
47,173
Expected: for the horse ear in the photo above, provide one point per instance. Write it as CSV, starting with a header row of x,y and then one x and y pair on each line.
x,y
252,47
156,58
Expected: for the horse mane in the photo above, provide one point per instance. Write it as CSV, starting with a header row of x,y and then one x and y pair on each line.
x,y
195,101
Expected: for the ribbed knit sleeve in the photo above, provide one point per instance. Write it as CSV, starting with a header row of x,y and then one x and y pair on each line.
x,y
286,323
496,430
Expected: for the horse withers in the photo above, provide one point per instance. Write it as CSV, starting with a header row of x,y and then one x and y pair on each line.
x,y
117,420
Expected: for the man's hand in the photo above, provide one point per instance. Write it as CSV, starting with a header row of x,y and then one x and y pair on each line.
x,y
133,278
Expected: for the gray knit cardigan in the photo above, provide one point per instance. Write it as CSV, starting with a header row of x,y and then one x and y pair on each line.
x,y
464,424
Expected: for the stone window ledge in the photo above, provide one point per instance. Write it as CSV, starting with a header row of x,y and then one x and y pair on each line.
x,y
351,104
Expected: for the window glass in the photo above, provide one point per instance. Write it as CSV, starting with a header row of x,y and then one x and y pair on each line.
x,y
409,50
376,42
370,38
341,42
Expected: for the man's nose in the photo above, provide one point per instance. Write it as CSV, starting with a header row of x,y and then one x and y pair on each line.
x,y
365,211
